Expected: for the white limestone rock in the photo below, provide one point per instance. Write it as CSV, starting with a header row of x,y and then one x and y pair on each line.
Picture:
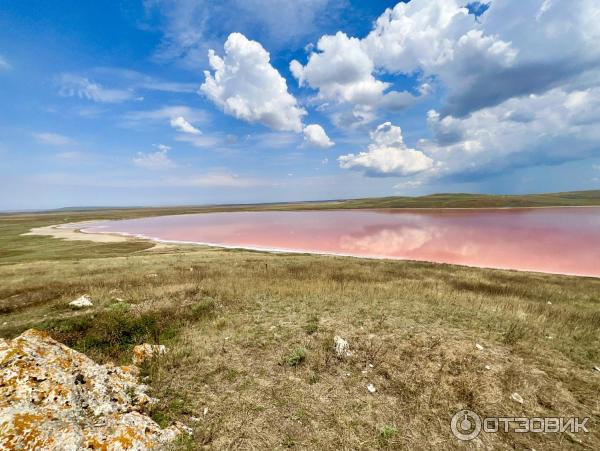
x,y
517,398
341,347
82,302
55,398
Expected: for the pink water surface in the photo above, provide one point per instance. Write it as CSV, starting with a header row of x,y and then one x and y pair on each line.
x,y
555,240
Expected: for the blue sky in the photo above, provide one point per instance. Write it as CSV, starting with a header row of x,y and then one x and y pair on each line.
x,y
119,103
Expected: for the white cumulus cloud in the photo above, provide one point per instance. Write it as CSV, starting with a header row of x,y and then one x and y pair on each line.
x,y
552,128
483,62
387,155
316,136
436,38
342,71
516,90
180,124
555,127
245,85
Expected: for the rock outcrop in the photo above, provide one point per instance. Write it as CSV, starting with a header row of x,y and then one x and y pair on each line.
x,y
55,398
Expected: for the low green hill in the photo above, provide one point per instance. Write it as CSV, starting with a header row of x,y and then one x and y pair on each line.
x,y
464,200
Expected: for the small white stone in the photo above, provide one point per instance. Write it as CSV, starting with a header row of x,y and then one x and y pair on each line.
x,y
549,303
185,429
370,365
82,302
478,346
371,388
205,412
487,367
597,368
517,398
341,346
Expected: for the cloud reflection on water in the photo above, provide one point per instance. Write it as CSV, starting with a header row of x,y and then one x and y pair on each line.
x,y
557,240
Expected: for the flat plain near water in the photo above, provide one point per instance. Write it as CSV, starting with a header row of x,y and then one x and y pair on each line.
x,y
554,240
250,339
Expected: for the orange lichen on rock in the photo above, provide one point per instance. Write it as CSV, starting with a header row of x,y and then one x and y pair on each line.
x,y
55,398
142,353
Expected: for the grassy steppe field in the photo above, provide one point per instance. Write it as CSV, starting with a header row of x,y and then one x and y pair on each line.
x,y
250,335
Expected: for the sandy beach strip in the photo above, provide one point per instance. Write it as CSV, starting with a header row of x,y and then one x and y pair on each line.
x,y
72,232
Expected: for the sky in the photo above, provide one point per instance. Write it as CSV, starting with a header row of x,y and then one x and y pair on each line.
x,y
173,102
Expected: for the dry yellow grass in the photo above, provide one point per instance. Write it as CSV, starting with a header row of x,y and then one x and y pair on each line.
x,y
233,320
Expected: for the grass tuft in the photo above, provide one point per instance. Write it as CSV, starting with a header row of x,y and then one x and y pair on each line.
x,y
312,325
203,308
515,333
295,357
387,433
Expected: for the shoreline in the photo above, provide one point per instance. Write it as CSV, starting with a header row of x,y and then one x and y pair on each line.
x,y
171,243
68,232
76,231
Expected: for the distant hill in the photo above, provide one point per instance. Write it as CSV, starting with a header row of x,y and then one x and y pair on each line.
x,y
465,200
443,200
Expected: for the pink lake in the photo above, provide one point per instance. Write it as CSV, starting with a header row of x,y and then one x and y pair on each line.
x,y
563,240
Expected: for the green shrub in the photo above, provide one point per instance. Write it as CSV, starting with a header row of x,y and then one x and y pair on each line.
x,y
115,330
515,333
69,325
108,333
387,432
203,308
296,357
161,419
